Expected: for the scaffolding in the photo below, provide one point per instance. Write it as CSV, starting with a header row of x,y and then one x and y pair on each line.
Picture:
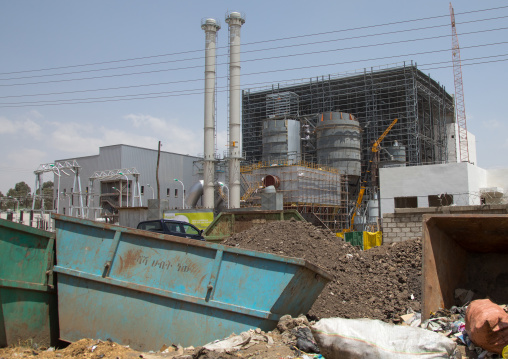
x,y
306,187
375,97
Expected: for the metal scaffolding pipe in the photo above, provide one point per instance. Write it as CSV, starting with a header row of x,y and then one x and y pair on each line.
x,y
235,20
211,27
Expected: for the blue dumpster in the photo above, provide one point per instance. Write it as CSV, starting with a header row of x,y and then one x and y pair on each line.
x,y
28,303
146,289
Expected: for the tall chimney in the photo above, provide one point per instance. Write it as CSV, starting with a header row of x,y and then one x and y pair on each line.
x,y
211,27
235,21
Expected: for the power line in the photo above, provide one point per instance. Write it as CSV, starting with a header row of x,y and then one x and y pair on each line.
x,y
249,51
251,60
295,68
254,43
248,74
200,91
265,72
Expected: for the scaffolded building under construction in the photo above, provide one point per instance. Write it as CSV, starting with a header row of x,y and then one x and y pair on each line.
x,y
375,97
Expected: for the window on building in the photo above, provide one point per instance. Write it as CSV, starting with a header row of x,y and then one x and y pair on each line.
x,y
176,192
142,189
440,200
406,202
72,197
168,192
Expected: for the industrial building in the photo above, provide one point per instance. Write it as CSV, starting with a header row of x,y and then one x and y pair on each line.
x,y
122,176
334,121
451,184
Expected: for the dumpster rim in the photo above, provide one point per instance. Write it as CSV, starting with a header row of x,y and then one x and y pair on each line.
x,y
166,237
23,227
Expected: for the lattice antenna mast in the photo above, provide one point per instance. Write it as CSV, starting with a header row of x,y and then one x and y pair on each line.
x,y
459,93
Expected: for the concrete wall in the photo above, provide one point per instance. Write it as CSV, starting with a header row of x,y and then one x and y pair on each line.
x,y
457,179
406,223
464,181
453,146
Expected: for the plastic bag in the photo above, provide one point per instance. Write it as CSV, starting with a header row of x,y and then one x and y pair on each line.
x,y
305,341
340,338
487,325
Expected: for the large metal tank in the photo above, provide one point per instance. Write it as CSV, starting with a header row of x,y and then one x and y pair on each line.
x,y
393,156
281,140
373,206
338,142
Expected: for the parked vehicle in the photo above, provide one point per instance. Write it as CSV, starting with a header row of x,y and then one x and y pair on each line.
x,y
172,227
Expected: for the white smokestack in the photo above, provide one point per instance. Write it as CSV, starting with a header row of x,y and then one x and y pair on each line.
x,y
211,27
235,21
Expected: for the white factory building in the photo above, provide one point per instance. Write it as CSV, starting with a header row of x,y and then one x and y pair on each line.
x,y
123,175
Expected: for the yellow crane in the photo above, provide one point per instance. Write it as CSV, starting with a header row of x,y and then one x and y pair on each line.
x,y
375,148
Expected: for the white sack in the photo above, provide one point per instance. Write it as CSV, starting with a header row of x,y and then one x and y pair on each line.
x,y
340,338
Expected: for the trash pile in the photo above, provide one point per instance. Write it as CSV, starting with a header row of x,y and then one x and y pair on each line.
x,y
481,327
380,283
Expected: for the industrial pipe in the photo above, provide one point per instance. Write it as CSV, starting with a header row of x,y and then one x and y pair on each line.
x,y
235,21
211,27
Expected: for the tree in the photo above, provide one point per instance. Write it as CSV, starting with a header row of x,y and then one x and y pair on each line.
x,y
22,193
47,194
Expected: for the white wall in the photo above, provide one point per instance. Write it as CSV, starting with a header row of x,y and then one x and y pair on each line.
x,y
462,180
453,145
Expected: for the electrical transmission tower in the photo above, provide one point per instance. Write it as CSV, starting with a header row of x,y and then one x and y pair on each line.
x,y
460,109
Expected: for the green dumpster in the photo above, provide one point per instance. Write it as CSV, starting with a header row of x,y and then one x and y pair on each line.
x,y
28,301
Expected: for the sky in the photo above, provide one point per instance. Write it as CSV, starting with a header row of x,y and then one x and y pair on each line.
x,y
78,75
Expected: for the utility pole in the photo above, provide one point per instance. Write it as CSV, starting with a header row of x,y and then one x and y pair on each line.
x,y
157,173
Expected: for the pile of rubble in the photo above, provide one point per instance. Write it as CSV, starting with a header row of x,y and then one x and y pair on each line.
x,y
381,283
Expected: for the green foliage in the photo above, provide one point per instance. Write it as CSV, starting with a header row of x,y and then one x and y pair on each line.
x,y
47,194
22,193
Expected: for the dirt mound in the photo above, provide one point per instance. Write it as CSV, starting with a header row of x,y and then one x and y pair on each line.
x,y
379,283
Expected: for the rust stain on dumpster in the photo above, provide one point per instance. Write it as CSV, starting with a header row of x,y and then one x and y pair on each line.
x,y
129,259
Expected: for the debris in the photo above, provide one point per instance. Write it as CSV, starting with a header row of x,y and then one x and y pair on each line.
x,y
464,296
305,340
237,342
367,338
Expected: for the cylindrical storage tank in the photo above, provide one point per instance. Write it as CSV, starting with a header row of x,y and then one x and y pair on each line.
x,y
338,142
397,155
281,141
373,206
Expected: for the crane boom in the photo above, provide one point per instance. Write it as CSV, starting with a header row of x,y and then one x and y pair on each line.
x,y
460,107
375,147
374,150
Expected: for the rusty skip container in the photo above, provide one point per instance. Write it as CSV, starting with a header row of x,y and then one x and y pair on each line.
x,y
464,251
146,289
28,302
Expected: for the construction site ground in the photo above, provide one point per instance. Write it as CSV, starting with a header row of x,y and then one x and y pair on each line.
x,y
380,283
